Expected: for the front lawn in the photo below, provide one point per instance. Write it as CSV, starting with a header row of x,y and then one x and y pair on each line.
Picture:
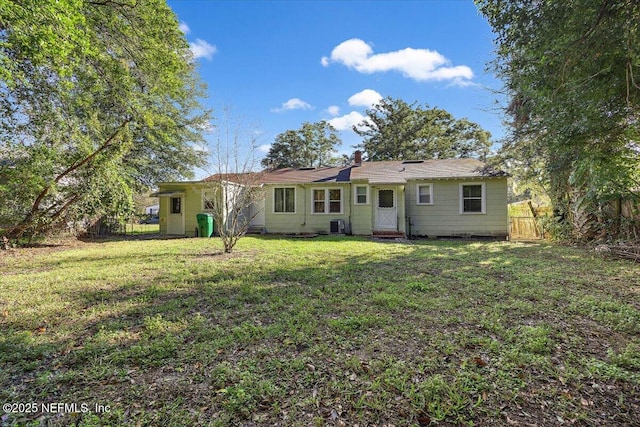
x,y
314,332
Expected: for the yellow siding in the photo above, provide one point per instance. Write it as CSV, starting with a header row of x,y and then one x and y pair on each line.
x,y
163,211
303,220
361,215
191,206
443,218
402,214
361,219
284,222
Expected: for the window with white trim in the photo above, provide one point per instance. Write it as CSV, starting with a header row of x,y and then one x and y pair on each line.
x,y
361,195
327,200
208,198
424,194
284,200
472,198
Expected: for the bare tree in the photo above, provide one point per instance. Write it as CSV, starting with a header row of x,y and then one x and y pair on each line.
x,y
234,192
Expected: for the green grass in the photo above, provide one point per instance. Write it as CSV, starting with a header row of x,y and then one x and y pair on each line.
x,y
324,331
137,229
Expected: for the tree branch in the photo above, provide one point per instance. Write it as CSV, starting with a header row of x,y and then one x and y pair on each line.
x,y
21,227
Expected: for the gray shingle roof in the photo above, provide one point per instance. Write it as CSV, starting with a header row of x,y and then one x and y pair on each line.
x,y
385,172
307,175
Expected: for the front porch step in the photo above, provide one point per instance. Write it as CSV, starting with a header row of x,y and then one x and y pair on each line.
x,y
385,234
255,230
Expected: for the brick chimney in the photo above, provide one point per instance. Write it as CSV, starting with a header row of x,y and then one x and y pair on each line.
x,y
357,158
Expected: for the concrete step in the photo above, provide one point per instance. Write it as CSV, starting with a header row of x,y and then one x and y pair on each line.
x,y
384,234
255,230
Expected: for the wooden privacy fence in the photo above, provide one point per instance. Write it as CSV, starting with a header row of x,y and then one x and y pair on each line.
x,y
525,227
523,220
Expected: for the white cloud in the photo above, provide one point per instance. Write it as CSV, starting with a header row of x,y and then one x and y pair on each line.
x,y
417,64
203,148
293,104
347,121
184,27
207,126
264,148
333,110
202,49
324,61
463,83
366,98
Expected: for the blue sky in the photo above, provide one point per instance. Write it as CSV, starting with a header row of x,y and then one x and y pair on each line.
x,y
281,63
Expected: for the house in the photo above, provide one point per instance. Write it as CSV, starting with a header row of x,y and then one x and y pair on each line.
x,y
152,210
434,198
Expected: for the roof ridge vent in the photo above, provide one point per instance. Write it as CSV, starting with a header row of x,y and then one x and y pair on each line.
x,y
307,169
409,162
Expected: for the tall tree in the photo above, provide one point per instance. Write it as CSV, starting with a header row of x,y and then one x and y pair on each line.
x,y
571,71
395,130
97,98
312,145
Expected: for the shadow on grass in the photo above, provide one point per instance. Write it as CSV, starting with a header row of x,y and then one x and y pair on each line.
x,y
135,236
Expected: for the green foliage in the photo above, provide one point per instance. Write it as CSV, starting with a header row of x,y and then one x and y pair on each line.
x,y
533,339
629,357
395,130
570,69
99,100
618,316
312,145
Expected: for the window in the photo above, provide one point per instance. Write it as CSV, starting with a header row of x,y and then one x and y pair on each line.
x,y
318,201
424,194
284,200
385,199
335,200
327,201
361,195
208,201
472,198
176,205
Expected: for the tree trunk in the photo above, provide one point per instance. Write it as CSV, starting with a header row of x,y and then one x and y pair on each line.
x,y
31,218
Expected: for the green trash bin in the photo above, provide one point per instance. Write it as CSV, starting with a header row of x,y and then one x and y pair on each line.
x,y
205,224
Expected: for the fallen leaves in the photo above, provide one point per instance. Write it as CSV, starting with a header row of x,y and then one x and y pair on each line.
x,y
479,361
424,420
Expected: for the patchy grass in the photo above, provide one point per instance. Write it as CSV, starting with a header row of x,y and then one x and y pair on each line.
x,y
325,331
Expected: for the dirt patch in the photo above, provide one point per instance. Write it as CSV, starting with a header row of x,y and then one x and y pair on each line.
x,y
40,248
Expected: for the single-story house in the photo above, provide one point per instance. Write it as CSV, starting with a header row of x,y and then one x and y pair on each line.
x,y
434,198
152,210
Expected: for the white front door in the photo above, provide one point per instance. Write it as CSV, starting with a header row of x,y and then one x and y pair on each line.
x,y
175,219
386,210
257,213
